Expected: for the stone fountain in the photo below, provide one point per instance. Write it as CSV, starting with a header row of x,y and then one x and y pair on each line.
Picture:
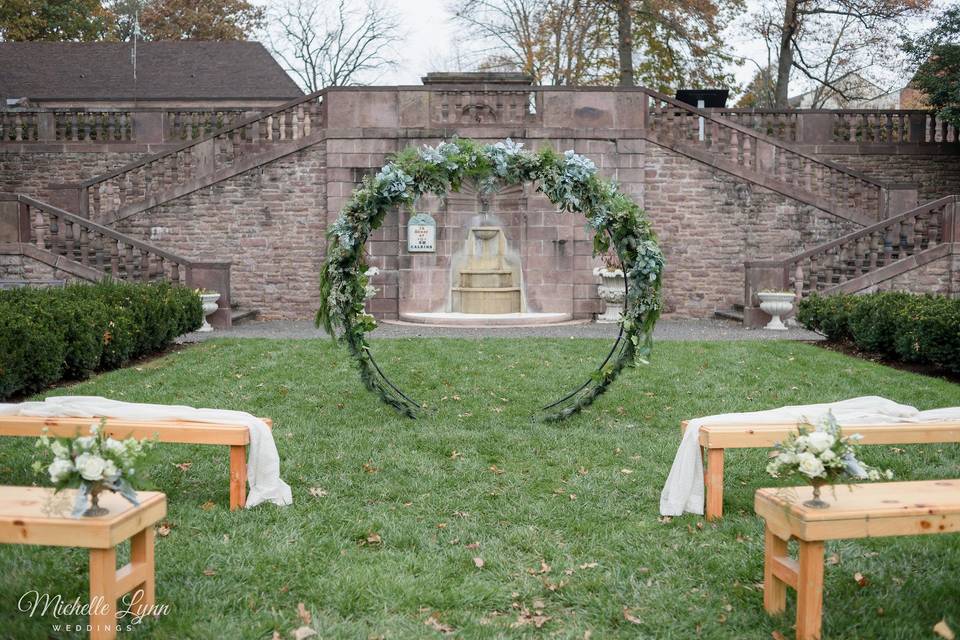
x,y
484,281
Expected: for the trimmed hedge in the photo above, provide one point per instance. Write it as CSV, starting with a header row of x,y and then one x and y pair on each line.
x,y
914,328
67,333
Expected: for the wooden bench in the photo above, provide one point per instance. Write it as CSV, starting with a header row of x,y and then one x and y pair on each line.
x,y
237,437
862,511
35,515
715,438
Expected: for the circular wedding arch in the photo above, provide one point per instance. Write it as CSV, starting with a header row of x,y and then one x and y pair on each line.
x,y
569,181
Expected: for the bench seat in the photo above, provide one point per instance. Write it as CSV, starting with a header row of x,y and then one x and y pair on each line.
x,y
870,510
714,439
237,437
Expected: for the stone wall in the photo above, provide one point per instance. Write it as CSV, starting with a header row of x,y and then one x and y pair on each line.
x,y
939,276
935,175
710,222
268,222
36,174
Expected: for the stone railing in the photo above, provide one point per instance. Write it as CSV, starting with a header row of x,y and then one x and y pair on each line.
x,y
846,126
727,144
91,245
141,125
832,264
104,197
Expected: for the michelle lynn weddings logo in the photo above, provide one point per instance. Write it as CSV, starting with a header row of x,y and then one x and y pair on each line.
x,y
131,612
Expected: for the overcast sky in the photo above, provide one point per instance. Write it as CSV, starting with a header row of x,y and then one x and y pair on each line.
x,y
430,43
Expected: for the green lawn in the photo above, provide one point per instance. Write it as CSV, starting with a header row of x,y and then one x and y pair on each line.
x,y
564,515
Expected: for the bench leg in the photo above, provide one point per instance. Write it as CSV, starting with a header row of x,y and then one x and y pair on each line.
x,y
810,591
238,476
103,594
713,480
774,589
142,561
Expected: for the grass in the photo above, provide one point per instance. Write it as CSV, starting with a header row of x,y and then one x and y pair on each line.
x,y
565,515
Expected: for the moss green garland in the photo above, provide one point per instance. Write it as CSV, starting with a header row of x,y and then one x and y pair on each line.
x,y
569,181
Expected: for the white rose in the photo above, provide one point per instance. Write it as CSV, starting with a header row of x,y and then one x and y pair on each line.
x,y
110,469
59,449
801,443
115,446
787,457
810,465
820,441
85,443
91,467
59,469
828,455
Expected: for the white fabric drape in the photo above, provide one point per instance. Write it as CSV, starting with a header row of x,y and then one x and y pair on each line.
x,y
263,467
683,491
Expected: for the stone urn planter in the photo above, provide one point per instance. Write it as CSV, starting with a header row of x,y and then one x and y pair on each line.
x,y
210,306
611,292
776,303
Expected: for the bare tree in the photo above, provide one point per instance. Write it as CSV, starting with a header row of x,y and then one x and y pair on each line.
x,y
837,46
324,48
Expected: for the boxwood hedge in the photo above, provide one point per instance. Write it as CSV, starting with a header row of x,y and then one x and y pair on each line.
x,y
911,327
67,333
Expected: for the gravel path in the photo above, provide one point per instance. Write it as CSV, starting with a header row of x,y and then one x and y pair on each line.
x,y
713,329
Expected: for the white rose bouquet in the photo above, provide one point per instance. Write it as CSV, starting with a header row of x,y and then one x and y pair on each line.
x,y
93,463
821,455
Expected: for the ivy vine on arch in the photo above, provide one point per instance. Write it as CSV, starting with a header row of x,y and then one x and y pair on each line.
x,y
569,181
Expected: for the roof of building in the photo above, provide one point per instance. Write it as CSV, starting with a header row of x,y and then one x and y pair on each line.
x,y
170,70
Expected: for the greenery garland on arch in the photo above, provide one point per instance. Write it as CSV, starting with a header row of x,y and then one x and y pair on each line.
x,y
569,181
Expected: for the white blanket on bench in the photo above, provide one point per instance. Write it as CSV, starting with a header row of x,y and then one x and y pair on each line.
x,y
684,488
263,470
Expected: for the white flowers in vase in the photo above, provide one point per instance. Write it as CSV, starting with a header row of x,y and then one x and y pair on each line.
x,y
821,455
93,463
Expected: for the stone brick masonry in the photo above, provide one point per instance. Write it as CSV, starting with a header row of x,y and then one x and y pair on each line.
x,y
270,222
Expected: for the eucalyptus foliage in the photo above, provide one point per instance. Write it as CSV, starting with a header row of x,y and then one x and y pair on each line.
x,y
568,180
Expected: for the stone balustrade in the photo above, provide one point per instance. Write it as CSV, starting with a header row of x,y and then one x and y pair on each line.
x,y
112,126
835,265
105,197
847,126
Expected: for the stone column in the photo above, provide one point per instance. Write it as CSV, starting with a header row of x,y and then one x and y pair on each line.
x,y
14,220
213,276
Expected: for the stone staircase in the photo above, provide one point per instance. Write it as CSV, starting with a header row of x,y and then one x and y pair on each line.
x,y
40,236
866,260
200,163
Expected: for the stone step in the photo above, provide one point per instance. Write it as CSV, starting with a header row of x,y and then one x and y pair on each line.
x,y
238,315
733,313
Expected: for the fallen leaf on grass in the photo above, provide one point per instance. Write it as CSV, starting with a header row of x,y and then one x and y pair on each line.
x,y
302,633
478,562
434,623
209,572
164,529
455,455
861,579
943,630
369,468
525,617
208,505
496,469
776,635
373,538
833,559
626,472
317,492
629,617
183,466
473,545
303,614
588,565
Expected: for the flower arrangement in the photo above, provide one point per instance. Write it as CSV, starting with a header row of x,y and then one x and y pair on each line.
x,y
821,455
93,463
568,180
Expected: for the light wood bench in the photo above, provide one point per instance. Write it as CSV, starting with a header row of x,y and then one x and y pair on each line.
x,y
862,511
34,515
714,439
237,437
